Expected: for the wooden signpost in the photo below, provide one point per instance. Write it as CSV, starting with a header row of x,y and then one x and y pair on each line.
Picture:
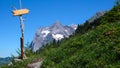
x,y
19,13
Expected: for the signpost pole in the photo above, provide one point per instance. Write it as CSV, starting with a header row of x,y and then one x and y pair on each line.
x,y
22,32
19,13
22,38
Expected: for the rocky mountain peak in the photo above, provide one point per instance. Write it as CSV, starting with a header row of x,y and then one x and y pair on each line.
x,y
57,23
47,34
96,16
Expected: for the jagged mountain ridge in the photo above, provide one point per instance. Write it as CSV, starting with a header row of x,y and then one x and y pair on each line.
x,y
47,34
96,16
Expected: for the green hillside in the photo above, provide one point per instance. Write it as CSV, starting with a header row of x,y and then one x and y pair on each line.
x,y
89,47
97,47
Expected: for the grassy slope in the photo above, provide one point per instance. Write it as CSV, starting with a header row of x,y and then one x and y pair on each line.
x,y
92,49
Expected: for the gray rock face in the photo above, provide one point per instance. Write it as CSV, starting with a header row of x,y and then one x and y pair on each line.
x,y
96,16
45,35
35,64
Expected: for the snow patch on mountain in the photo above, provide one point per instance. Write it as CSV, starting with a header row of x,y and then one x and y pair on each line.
x,y
46,32
57,36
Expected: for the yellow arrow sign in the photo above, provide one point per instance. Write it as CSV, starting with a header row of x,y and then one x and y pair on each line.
x,y
20,12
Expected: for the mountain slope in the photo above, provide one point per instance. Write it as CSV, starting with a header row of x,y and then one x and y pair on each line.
x,y
97,47
93,49
96,16
47,34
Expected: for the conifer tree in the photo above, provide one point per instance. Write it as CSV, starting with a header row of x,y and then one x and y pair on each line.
x,y
117,2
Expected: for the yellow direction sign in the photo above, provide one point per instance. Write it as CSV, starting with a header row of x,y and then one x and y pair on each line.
x,y
20,12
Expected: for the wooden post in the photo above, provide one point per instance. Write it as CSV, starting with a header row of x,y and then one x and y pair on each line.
x,y
22,38
19,13
22,47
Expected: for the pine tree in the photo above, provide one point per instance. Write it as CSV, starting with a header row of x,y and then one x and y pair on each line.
x,y
117,2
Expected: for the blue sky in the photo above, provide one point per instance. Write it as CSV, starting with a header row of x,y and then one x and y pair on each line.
x,y
43,13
